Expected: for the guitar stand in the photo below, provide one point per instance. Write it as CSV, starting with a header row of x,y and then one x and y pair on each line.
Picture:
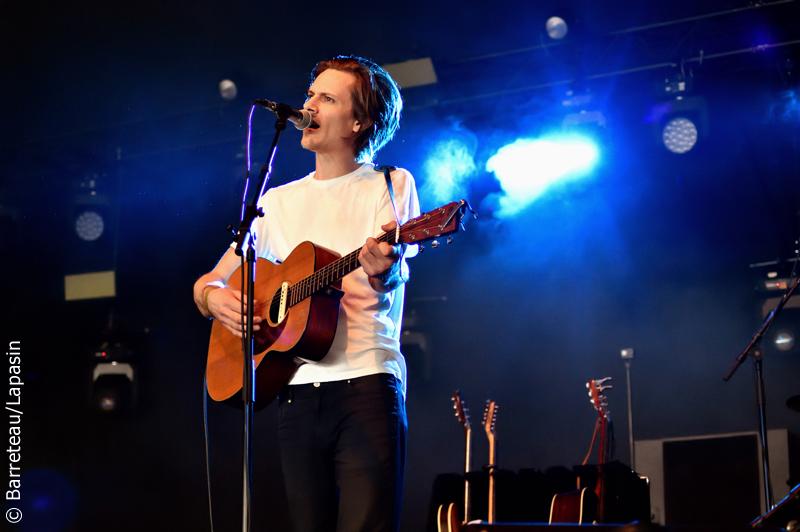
x,y
244,239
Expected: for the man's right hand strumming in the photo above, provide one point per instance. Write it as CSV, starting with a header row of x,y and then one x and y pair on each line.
x,y
216,300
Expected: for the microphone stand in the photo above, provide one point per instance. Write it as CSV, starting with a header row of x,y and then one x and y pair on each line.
x,y
244,239
758,355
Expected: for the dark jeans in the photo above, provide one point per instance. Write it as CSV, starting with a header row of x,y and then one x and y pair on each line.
x,y
343,447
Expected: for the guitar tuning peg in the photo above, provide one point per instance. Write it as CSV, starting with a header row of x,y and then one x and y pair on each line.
x,y
421,247
449,239
434,244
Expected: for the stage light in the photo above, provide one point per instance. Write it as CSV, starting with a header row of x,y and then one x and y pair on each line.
x,y
527,167
89,225
112,387
556,28
227,89
113,379
93,222
679,135
680,123
784,340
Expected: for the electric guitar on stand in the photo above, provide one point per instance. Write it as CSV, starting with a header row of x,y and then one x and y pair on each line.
x,y
489,425
447,518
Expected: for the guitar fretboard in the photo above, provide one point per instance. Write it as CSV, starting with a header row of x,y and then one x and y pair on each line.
x,y
331,273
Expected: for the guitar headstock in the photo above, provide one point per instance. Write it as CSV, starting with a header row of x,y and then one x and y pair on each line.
x,y
490,419
439,222
462,412
597,398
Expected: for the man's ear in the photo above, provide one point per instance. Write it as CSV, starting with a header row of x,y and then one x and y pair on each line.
x,y
358,127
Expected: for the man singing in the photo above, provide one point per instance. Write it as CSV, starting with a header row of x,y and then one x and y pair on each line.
x,y
342,420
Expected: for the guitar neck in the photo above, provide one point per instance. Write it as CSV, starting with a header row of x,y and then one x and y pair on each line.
x,y
331,273
492,469
489,419
599,489
467,467
601,454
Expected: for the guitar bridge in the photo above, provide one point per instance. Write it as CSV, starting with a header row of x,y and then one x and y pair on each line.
x,y
283,301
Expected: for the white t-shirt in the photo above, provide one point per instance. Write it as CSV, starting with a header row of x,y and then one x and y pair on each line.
x,y
340,214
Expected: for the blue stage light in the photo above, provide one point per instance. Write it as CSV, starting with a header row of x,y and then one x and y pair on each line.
x,y
527,167
679,135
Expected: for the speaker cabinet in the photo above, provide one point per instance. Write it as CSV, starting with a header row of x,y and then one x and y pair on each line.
x,y
712,479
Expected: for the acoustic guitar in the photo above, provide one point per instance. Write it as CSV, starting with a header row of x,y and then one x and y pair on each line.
x,y
447,518
585,504
298,301
596,388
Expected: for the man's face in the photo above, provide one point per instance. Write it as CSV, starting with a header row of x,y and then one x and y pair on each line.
x,y
331,105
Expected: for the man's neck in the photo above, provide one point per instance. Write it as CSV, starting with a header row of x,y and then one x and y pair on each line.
x,y
331,166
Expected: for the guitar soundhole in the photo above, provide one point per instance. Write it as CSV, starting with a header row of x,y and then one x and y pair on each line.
x,y
273,315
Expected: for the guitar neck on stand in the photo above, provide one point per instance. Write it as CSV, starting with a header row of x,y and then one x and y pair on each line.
x,y
463,417
596,388
489,421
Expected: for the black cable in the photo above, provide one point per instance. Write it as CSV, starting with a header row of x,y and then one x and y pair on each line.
x,y
208,456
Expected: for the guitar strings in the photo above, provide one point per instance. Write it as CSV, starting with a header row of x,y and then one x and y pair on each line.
x,y
328,274
306,288
334,271
323,277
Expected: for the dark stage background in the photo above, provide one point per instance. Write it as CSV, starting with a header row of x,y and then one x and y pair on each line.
x,y
650,250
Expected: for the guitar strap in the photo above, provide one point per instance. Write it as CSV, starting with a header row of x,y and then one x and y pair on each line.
x,y
386,174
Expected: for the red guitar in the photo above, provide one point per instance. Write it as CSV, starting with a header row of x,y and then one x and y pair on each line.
x,y
299,303
596,388
580,505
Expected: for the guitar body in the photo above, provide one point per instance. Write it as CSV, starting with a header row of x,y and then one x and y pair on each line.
x,y
447,519
573,507
306,331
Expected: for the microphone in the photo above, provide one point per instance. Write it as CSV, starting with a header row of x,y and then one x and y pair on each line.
x,y
301,119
